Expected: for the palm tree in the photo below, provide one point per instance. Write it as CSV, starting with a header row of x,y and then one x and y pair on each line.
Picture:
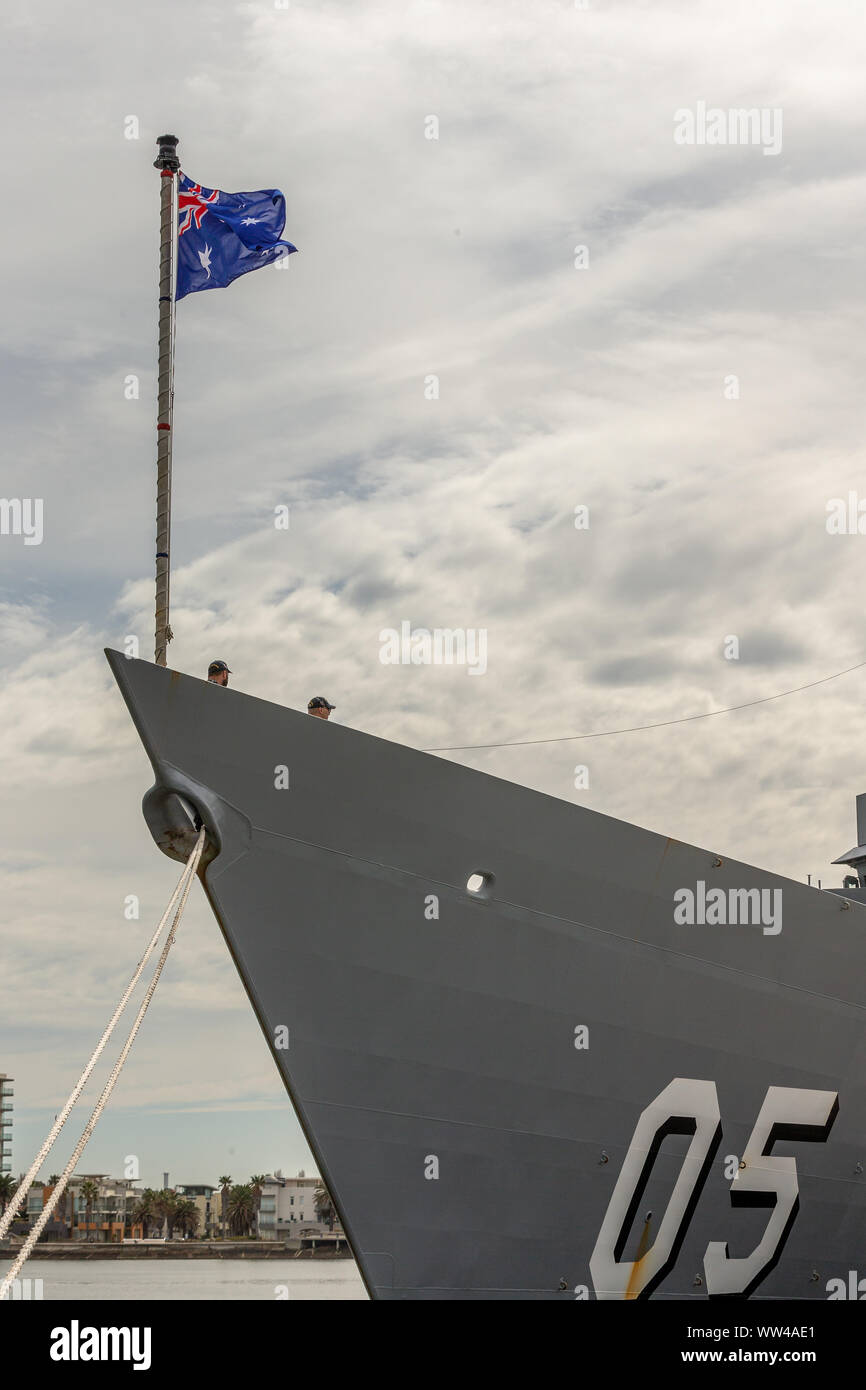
x,y
7,1190
166,1208
324,1205
242,1209
256,1183
187,1216
225,1189
145,1210
90,1193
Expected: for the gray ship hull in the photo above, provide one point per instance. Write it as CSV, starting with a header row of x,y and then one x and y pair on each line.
x,y
551,1089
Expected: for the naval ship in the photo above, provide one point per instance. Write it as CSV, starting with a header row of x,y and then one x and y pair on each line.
x,y
537,1052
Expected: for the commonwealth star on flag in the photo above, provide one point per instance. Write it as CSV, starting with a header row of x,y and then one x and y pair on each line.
x,y
223,235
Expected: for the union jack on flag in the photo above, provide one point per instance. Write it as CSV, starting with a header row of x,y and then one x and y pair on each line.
x,y
223,235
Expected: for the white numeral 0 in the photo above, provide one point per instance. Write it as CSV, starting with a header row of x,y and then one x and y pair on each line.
x,y
771,1182
684,1107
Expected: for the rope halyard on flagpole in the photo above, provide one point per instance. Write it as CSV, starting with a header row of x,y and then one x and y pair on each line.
x,y
168,164
182,890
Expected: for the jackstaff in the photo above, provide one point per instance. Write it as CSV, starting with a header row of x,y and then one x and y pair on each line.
x,y
168,164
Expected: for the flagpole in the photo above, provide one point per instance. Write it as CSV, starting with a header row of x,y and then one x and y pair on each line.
x,y
168,164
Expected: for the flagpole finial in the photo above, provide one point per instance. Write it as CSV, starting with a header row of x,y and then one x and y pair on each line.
x,y
167,155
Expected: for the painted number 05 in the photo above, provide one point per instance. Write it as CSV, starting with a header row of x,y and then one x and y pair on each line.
x,y
692,1107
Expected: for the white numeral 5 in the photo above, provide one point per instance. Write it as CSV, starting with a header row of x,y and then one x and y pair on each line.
x,y
772,1182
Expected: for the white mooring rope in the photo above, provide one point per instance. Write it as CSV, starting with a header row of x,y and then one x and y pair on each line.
x,y
182,890
24,1187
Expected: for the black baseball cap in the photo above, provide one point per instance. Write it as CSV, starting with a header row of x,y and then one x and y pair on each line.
x,y
319,702
217,666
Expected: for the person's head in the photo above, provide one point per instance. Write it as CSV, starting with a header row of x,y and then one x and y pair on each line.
x,y
218,673
319,707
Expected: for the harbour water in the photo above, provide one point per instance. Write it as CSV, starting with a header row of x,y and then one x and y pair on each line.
x,y
182,1281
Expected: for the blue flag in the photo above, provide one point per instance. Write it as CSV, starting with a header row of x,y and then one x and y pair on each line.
x,y
223,235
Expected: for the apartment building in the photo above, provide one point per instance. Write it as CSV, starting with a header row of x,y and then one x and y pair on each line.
x,y
6,1107
287,1204
111,1210
109,1217
207,1200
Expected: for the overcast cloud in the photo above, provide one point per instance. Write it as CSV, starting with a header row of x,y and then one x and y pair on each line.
x,y
607,387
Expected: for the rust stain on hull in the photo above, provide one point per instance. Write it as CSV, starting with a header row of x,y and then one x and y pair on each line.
x,y
635,1282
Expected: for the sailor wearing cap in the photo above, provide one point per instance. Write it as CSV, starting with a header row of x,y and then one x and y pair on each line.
x,y
319,707
218,673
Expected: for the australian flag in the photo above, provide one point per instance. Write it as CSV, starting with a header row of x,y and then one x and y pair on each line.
x,y
223,235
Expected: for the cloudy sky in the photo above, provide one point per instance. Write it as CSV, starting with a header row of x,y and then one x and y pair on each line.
x,y
695,381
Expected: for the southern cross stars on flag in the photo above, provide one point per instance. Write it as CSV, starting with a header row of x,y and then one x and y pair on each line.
x,y
223,235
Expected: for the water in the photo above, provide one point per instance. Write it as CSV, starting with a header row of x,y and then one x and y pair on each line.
x,y
188,1280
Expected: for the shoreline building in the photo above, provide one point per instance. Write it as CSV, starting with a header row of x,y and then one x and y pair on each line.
x,y
107,1222
6,1107
110,1213
287,1204
207,1201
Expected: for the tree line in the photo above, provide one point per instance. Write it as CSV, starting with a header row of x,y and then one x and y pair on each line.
x,y
168,1211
